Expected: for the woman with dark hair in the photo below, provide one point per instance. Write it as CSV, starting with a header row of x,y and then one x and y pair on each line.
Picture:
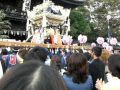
x,y
32,75
114,75
77,77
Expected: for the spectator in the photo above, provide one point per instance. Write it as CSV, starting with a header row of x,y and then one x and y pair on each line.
x,y
104,56
1,70
63,58
37,53
55,62
88,56
32,75
114,75
21,55
80,50
96,67
9,59
77,77
4,53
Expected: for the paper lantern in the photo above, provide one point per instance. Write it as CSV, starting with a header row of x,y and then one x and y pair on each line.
x,y
82,38
109,48
100,40
113,41
105,44
67,39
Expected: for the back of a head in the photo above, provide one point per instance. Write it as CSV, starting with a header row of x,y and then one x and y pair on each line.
x,y
80,50
114,65
87,55
49,79
77,67
36,77
21,55
37,53
104,56
97,51
4,51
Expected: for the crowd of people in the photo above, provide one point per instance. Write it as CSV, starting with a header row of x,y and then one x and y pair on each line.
x,y
39,68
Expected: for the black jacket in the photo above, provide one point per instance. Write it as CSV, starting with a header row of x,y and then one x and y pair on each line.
x,y
97,70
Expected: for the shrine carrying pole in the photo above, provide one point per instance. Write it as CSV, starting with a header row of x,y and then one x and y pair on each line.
x,y
30,45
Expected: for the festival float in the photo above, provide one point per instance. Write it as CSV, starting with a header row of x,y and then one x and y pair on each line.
x,y
48,20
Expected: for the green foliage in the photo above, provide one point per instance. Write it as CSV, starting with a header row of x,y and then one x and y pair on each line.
x,y
2,15
100,23
4,24
83,22
78,23
4,37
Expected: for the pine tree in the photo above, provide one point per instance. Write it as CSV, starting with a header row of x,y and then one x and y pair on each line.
x,y
4,24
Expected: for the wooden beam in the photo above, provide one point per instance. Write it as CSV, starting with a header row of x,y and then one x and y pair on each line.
x,y
28,44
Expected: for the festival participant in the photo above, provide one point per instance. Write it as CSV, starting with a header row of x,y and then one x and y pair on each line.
x,y
55,62
113,76
32,75
3,56
8,59
63,58
21,55
104,57
55,37
1,68
88,56
76,77
96,67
